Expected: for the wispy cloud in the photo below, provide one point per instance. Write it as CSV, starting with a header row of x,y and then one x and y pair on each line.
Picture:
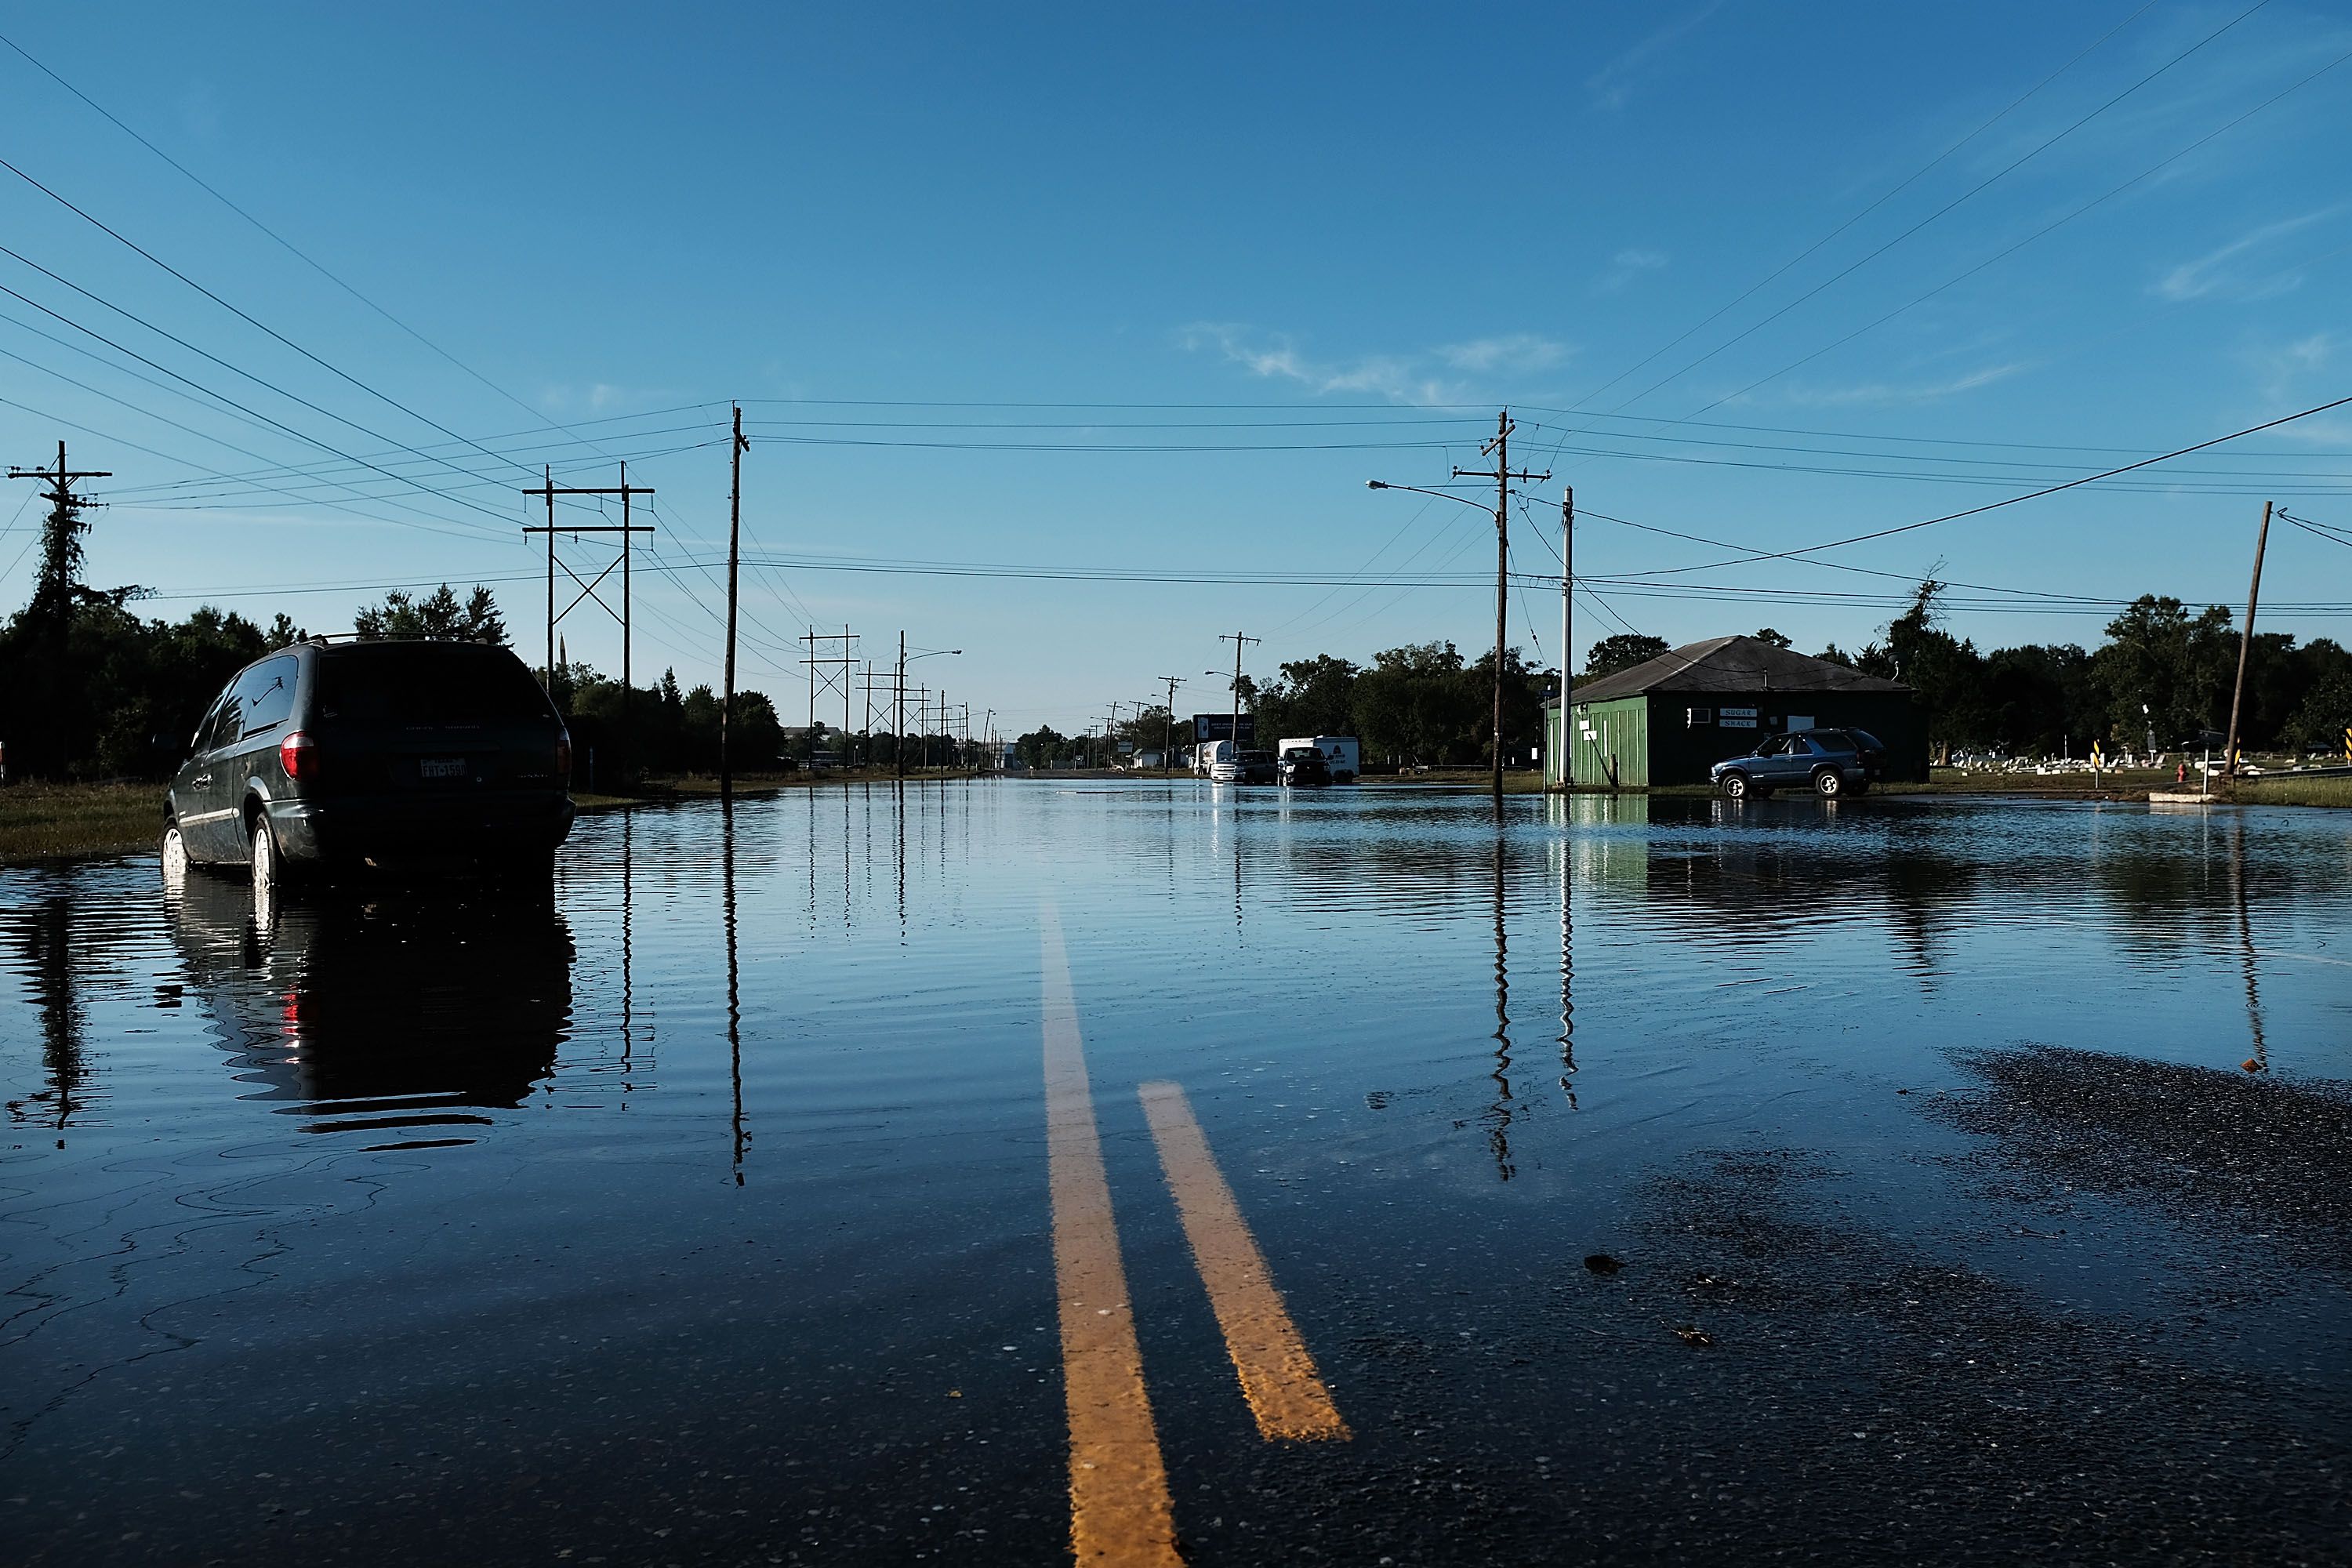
x,y
1411,378
2225,271
2294,374
1626,265
1614,82
576,401
1512,351
1892,392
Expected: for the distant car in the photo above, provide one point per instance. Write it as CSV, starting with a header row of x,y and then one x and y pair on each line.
x,y
1304,767
374,751
1830,763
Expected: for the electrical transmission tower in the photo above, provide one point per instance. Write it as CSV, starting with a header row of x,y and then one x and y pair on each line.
x,y
627,530
829,672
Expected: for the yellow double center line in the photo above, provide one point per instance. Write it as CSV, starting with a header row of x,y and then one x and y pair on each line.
x,y
1119,1507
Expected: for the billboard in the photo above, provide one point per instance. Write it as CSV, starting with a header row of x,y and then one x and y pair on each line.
x,y
1208,726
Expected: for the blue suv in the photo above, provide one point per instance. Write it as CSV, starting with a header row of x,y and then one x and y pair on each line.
x,y
1830,763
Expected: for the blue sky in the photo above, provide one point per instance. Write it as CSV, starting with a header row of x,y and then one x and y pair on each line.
x,y
959,264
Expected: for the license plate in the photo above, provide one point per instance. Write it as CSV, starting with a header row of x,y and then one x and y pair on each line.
x,y
441,767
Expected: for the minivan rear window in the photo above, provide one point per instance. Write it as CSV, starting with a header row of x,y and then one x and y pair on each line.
x,y
418,683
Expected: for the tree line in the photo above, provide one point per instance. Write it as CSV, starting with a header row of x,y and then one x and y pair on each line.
x,y
1424,704
2165,670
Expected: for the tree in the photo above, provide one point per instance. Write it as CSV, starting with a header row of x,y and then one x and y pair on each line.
x,y
1769,636
1622,651
1041,747
2324,715
1415,705
438,616
1312,697
1945,672
2180,667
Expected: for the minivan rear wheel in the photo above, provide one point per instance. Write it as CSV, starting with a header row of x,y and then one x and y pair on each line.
x,y
174,851
266,868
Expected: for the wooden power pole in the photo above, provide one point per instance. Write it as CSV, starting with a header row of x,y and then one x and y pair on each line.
x,y
1567,587
734,557
2245,646
1499,449
1239,643
1168,757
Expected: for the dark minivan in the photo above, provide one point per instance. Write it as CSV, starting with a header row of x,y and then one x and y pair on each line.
x,y
375,753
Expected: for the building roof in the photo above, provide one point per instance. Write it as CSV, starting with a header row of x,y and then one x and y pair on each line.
x,y
1732,664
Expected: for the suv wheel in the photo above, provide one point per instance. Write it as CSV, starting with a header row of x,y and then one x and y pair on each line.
x,y
1736,785
1828,783
266,867
174,851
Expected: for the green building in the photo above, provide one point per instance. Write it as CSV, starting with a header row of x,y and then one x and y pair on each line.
x,y
1668,720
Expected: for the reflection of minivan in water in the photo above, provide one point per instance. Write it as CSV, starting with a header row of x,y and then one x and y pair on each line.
x,y
401,1017
374,752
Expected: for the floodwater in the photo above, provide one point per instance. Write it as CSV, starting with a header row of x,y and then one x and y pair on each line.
x,y
1962,1180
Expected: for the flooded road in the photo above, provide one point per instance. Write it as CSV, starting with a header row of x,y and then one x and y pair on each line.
x,y
970,1171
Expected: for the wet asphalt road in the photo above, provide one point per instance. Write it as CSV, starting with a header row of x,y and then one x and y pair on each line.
x,y
1963,1182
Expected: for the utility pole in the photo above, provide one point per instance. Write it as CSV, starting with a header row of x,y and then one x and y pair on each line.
x,y
1168,757
1499,449
734,556
1239,642
1567,586
61,553
2245,643
898,712
626,529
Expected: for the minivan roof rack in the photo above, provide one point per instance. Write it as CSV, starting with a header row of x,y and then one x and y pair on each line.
x,y
328,639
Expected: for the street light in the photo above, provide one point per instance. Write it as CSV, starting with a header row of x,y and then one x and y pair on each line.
x,y
1503,477
899,725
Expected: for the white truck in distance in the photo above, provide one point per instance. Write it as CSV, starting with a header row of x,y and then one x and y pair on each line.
x,y
1341,753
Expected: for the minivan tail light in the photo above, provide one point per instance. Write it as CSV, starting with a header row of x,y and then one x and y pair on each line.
x,y
299,756
563,757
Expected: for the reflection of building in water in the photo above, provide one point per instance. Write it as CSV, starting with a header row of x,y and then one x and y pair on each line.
x,y
389,1014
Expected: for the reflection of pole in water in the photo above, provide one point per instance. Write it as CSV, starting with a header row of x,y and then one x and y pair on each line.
x,y
2261,1061
628,990
1567,972
899,814
811,797
1499,1118
734,993
47,931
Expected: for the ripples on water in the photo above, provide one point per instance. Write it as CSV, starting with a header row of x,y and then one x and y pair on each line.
x,y
805,1035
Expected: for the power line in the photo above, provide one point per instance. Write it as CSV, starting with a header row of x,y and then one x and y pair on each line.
x,y
1912,179
175,375
2055,223
243,316
304,256
1972,191
2013,501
